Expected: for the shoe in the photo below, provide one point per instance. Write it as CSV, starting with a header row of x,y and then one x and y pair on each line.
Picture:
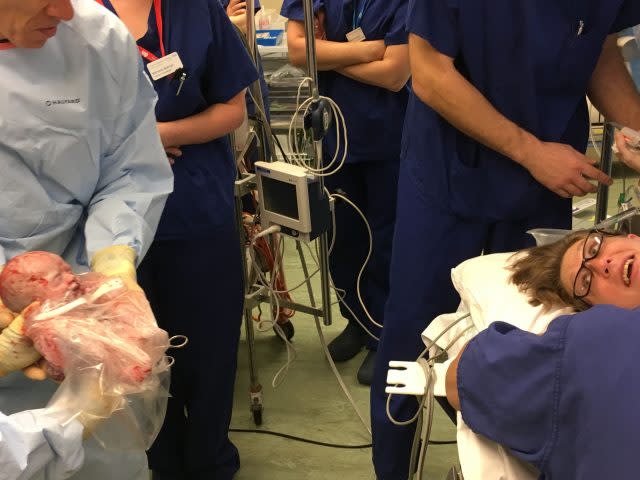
x,y
365,372
348,344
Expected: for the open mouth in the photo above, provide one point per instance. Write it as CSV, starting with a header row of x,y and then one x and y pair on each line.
x,y
627,271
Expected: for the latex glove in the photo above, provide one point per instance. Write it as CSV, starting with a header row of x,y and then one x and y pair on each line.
x,y
16,350
117,261
628,155
6,316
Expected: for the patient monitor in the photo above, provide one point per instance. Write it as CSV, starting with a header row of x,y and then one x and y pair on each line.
x,y
293,199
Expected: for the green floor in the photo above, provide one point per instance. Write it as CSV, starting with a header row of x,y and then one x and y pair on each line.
x,y
309,403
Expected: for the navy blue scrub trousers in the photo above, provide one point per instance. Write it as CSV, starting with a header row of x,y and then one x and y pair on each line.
x,y
428,243
195,288
373,187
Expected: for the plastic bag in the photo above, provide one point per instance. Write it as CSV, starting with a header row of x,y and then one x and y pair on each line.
x,y
102,341
110,352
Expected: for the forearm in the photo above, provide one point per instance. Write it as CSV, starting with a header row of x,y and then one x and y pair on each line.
x,y
391,73
451,382
329,55
216,121
441,86
611,88
240,21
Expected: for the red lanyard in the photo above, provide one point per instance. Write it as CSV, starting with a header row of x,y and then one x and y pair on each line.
x,y
146,54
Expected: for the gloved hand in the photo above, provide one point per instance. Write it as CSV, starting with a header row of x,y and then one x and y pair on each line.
x,y
117,261
16,350
6,316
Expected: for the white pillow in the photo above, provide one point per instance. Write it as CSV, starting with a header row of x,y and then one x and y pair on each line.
x,y
486,292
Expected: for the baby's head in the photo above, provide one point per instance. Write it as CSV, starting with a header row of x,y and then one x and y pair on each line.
x,y
35,276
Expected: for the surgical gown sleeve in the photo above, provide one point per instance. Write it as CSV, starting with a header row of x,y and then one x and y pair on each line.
x,y
628,16
437,22
293,9
33,441
508,383
226,48
135,176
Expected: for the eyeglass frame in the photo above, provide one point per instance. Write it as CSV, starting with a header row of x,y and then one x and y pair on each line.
x,y
583,266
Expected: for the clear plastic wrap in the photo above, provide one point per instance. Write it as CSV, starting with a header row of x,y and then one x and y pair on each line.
x,y
110,353
101,341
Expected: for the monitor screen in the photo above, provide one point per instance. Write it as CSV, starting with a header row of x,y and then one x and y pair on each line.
x,y
280,197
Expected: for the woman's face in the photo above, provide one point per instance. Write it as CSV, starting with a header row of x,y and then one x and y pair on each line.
x,y
615,271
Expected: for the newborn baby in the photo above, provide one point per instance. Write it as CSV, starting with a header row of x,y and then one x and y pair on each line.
x,y
84,321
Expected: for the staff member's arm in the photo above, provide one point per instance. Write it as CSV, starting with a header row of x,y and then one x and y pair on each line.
x,y
331,55
216,121
611,88
438,83
391,73
504,382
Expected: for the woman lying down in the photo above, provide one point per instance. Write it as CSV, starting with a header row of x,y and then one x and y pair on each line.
x,y
565,401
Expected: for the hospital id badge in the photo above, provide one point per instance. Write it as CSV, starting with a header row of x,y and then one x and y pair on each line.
x,y
165,66
356,35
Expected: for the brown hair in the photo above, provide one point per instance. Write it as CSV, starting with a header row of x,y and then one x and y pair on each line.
x,y
536,272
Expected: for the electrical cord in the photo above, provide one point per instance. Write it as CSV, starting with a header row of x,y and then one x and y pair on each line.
x,y
319,443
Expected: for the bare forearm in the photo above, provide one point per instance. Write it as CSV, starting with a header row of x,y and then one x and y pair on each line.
x,y
451,382
439,84
330,55
391,73
214,122
611,88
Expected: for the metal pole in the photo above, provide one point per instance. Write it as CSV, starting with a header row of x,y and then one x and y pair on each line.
x,y
606,163
312,70
256,88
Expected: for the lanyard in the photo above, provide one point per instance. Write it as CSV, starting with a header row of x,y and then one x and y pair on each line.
x,y
146,54
359,13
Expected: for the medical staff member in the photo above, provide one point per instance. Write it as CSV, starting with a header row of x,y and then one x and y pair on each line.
x,y
363,57
563,401
495,130
84,174
193,273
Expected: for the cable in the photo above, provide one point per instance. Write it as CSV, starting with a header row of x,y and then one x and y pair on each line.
x,y
299,157
300,439
366,262
319,443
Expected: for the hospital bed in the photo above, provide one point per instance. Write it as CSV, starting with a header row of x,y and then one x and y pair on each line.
x,y
486,296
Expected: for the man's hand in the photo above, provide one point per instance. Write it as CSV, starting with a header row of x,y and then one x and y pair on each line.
x,y
630,157
319,25
236,7
562,169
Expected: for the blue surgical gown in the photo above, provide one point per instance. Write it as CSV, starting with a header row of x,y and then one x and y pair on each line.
x,y
532,60
564,401
36,441
81,161
373,115
199,31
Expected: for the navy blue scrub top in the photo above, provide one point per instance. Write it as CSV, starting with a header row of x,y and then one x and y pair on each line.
x,y
565,401
374,115
218,68
532,61
263,84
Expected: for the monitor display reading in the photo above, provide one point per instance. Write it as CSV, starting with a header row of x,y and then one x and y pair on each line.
x,y
280,198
